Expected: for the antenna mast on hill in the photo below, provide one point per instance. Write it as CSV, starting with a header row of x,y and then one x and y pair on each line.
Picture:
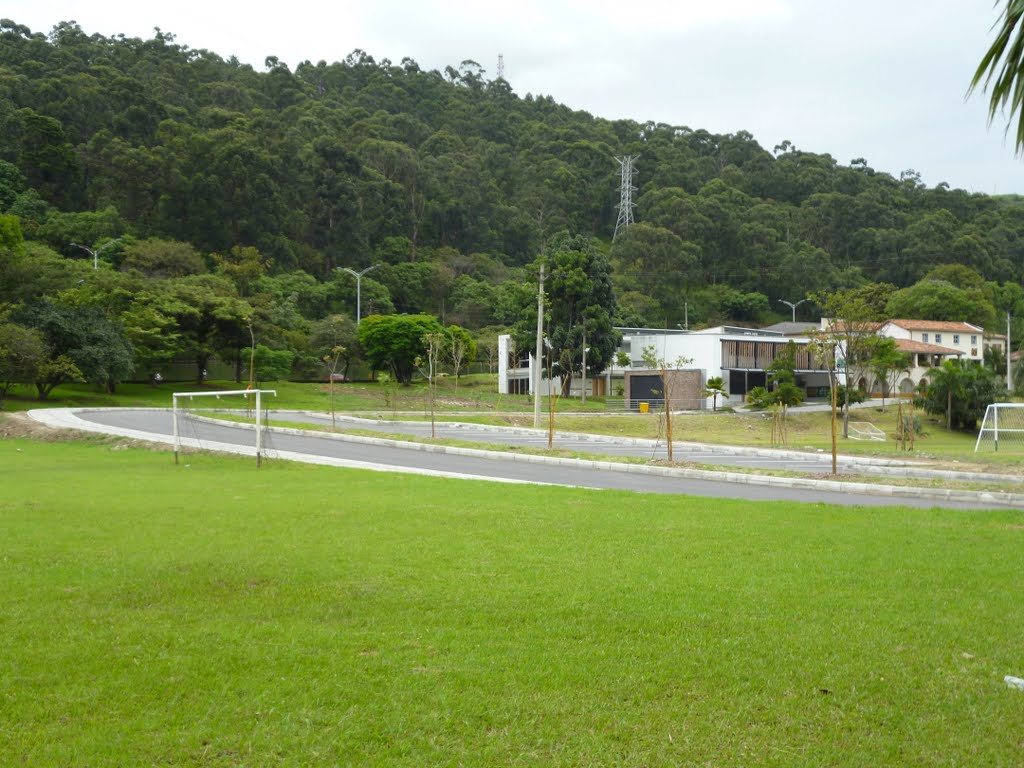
x,y
501,66
626,190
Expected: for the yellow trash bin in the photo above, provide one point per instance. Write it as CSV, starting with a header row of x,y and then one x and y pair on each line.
x,y
645,407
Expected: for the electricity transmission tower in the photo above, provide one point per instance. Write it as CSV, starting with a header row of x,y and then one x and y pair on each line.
x,y
501,66
626,190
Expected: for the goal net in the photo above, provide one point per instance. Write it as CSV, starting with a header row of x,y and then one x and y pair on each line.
x,y
865,430
188,407
1002,427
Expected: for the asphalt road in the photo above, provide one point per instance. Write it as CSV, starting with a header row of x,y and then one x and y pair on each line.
x,y
585,444
399,458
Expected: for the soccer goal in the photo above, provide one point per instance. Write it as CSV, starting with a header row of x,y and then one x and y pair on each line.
x,y
1003,421
865,430
179,408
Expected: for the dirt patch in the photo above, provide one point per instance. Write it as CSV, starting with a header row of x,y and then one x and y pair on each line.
x,y
21,425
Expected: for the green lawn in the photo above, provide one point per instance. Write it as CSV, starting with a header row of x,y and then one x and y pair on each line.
x,y
215,614
804,431
477,392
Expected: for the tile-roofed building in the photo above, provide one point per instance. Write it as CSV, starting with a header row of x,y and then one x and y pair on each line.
x,y
930,343
940,326
919,347
963,339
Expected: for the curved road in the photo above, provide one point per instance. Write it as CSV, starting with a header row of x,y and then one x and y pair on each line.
x,y
594,444
404,457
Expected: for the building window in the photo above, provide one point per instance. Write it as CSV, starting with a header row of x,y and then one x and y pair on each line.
x,y
974,341
924,337
938,338
974,351
956,338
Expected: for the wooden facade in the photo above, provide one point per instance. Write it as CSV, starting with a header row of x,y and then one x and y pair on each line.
x,y
739,354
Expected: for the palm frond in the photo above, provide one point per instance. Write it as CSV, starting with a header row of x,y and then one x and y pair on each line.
x,y
1001,71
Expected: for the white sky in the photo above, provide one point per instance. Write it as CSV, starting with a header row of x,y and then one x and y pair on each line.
x,y
881,80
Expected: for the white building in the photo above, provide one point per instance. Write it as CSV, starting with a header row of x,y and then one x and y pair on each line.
x,y
930,343
739,356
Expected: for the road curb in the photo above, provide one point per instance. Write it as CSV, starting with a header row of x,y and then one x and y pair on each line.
x,y
1001,498
879,466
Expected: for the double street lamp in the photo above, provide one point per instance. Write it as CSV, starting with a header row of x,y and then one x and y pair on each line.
x,y
359,288
792,306
96,253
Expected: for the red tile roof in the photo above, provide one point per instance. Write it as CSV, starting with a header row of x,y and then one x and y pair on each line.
x,y
908,345
937,325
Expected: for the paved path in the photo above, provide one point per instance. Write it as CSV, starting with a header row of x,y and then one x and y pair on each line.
x,y
751,457
382,455
695,453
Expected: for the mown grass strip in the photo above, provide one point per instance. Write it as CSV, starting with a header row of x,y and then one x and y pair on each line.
x,y
216,614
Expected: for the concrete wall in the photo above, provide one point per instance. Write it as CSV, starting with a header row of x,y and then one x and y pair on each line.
x,y
685,387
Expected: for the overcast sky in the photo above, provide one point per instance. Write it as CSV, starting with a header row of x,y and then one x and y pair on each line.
x,y
881,80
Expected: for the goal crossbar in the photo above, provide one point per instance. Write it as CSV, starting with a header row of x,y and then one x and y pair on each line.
x,y
190,395
990,424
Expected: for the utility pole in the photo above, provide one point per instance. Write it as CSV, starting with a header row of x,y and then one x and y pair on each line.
x,y
1009,362
252,363
626,190
359,289
585,350
539,351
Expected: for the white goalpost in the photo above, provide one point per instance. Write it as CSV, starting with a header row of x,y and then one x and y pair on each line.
x,y
218,395
1002,420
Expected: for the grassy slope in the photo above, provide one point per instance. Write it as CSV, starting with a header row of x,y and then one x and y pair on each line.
x,y
218,615
476,392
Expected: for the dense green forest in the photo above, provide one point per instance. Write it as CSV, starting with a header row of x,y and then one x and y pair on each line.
x,y
219,202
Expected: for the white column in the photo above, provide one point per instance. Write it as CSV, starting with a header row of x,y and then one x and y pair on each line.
x,y
259,431
174,416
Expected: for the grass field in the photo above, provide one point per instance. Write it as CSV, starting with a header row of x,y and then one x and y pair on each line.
x,y
805,431
477,392
216,615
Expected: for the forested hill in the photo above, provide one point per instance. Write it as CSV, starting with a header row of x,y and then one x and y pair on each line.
x,y
448,179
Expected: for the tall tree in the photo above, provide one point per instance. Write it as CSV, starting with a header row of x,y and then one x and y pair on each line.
x,y
852,319
961,390
94,345
888,364
581,305
459,349
334,340
22,351
393,342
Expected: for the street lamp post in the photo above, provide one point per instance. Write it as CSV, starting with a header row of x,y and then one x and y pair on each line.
x,y
792,306
96,253
359,288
